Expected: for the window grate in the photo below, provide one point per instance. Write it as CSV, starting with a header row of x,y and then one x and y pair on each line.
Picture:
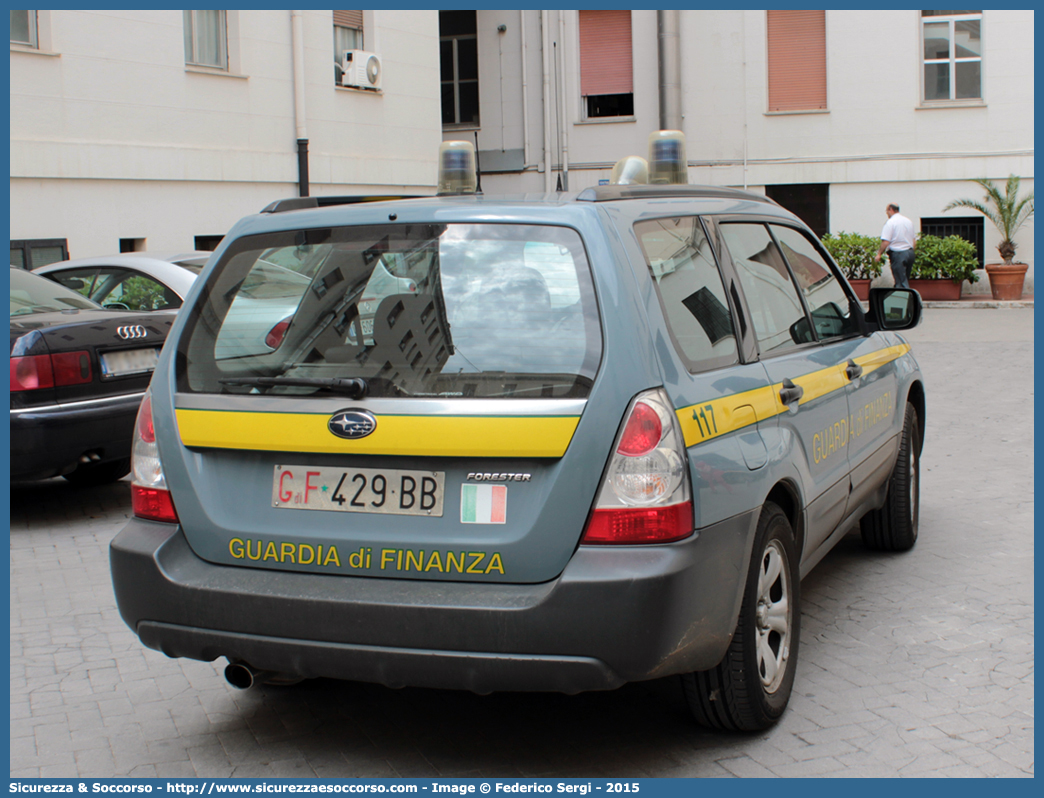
x,y
970,228
33,253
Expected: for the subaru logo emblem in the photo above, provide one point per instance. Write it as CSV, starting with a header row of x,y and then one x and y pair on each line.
x,y
131,332
352,424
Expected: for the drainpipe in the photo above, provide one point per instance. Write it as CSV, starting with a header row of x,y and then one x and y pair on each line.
x,y
297,44
743,33
563,121
670,69
547,101
525,92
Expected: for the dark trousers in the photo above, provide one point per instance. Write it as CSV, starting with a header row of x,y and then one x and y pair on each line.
x,y
902,262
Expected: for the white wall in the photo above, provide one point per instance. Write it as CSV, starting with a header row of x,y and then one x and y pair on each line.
x,y
115,117
876,143
95,214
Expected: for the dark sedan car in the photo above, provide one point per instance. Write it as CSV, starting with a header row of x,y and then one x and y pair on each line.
x,y
78,373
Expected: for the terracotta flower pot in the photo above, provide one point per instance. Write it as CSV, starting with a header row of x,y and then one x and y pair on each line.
x,y
1006,279
937,290
861,288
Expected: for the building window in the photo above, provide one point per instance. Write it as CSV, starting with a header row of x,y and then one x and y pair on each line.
x,y
606,69
132,245
970,228
347,35
31,253
810,202
23,28
458,57
797,61
206,41
206,243
952,55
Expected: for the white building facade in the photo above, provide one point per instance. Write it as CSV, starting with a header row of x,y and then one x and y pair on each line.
x,y
157,130
835,113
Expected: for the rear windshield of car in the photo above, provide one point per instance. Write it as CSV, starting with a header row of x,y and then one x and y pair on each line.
x,y
31,293
420,310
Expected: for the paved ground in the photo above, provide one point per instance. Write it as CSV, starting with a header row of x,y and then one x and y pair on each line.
x,y
918,664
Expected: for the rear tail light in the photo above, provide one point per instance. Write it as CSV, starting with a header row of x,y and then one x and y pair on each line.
x,y
645,495
34,372
71,368
276,334
640,524
150,498
31,373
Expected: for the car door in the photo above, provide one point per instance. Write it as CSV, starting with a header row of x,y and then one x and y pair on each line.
x,y
808,385
870,363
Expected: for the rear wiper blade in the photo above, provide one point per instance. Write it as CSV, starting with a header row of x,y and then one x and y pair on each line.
x,y
353,387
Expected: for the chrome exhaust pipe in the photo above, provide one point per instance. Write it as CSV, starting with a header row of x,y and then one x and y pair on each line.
x,y
243,676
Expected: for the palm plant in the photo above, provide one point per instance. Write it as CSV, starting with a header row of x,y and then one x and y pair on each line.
x,y
1007,211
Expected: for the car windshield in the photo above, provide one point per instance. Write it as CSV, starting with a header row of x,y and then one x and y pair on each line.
x,y
31,293
423,310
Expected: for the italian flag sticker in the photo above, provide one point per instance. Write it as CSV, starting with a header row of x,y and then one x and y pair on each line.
x,y
483,504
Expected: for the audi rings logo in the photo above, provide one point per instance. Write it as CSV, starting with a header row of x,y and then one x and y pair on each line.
x,y
352,424
132,332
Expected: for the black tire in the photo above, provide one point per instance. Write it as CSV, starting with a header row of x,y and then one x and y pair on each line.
x,y
88,476
894,526
741,693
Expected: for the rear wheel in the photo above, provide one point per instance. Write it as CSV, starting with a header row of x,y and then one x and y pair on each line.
x,y
749,689
90,475
894,526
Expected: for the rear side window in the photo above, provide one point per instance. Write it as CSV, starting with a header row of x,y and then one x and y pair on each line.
x,y
690,290
424,310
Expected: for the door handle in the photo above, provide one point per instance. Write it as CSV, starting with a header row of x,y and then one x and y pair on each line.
x,y
852,370
790,392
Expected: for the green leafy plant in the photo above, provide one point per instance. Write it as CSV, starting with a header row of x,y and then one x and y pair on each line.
x,y
950,258
1007,211
854,253
140,293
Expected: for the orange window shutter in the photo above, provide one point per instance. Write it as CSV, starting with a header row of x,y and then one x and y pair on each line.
x,y
348,19
797,60
605,53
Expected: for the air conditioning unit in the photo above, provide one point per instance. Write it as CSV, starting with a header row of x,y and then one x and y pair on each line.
x,y
361,69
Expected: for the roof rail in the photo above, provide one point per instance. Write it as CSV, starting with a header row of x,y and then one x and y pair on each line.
x,y
657,190
299,203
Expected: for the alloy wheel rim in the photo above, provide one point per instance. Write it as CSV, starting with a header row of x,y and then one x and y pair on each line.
x,y
773,616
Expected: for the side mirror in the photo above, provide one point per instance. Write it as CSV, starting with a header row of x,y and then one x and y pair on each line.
x,y
894,309
801,331
116,306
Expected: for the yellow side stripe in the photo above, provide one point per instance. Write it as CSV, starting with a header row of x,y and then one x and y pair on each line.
x,y
716,417
881,357
426,436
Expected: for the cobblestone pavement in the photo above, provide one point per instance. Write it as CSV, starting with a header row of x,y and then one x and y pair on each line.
x,y
918,664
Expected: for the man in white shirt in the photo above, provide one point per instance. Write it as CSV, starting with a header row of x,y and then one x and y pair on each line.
x,y
899,239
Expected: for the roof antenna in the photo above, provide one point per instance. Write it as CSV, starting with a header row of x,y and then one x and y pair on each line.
x,y
559,186
478,168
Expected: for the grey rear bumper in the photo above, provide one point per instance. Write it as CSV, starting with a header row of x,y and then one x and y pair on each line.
x,y
615,614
